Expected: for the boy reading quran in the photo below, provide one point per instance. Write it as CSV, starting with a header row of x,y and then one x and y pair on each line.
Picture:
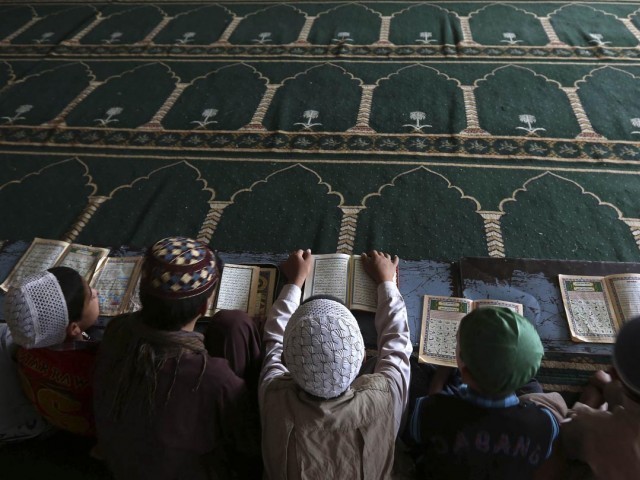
x,y
482,429
319,418
47,315
165,406
606,436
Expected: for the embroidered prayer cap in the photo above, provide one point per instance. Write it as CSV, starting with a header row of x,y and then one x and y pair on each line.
x,y
177,268
500,348
626,355
323,347
36,312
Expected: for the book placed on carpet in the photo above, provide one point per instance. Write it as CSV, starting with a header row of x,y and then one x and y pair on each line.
x,y
249,288
115,278
597,307
440,319
343,277
118,284
43,254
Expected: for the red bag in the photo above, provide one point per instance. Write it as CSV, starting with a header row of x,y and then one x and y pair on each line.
x,y
59,382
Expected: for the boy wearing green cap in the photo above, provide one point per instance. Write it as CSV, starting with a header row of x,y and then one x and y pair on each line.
x,y
482,429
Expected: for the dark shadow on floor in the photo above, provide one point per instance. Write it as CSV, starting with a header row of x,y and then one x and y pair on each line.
x,y
61,455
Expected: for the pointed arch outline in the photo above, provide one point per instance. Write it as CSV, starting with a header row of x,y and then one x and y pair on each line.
x,y
86,174
604,67
429,5
471,14
34,13
260,75
133,8
91,75
337,7
418,65
557,10
265,180
165,167
12,74
463,196
583,191
71,7
174,76
304,72
295,9
511,65
202,7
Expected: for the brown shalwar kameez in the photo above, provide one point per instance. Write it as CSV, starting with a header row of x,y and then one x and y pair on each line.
x,y
203,423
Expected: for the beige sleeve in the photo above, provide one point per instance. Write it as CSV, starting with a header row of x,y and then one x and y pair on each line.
x,y
272,366
394,346
552,401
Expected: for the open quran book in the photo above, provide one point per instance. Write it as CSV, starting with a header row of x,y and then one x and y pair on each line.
x,y
343,277
115,278
250,288
118,284
440,319
597,307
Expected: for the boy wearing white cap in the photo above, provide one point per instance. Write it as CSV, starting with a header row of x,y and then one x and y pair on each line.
x,y
607,437
318,419
45,310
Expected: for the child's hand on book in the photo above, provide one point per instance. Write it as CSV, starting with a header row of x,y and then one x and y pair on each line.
x,y
380,266
297,267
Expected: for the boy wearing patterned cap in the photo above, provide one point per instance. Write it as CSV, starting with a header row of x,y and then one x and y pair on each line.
x,y
482,429
319,418
606,436
43,343
170,402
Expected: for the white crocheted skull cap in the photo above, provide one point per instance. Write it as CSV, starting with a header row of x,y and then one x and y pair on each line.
x,y
323,347
36,312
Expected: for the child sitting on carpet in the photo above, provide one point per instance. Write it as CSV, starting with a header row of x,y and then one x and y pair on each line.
x,y
47,316
481,429
606,436
170,402
320,418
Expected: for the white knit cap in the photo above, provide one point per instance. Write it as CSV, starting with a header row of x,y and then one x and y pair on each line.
x,y
323,347
36,312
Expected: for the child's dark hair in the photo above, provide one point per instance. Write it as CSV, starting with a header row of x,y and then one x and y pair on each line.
x,y
172,315
72,288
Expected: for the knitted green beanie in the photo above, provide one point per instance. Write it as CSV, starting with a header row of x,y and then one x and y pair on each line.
x,y
500,348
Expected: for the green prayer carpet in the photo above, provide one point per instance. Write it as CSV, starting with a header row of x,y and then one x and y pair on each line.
x,y
431,130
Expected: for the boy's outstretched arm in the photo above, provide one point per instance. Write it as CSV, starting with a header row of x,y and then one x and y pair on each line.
x,y
295,269
394,341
